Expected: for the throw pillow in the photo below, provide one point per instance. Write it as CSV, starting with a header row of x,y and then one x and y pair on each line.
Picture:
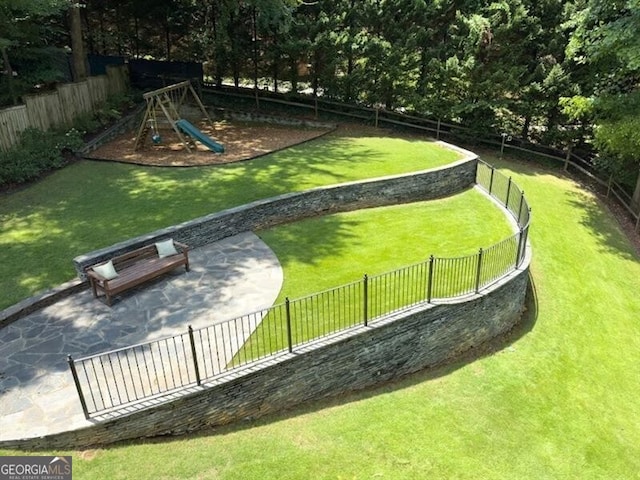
x,y
107,270
166,248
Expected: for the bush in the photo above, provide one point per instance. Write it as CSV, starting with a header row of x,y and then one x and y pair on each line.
x,y
39,152
36,153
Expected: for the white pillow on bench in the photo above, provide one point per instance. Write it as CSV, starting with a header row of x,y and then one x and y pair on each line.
x,y
166,248
106,270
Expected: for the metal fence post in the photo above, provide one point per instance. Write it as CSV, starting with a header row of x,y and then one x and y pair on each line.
x,y
520,207
519,250
491,181
506,200
478,269
287,305
365,299
438,130
365,284
193,354
609,185
377,115
76,381
430,278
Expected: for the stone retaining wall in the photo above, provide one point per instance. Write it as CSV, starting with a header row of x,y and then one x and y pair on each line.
x,y
360,358
412,187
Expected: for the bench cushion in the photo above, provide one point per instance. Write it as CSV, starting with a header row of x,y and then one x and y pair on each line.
x,y
166,248
106,270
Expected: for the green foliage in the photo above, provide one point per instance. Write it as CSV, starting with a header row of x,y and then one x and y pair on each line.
x,y
31,46
105,114
36,153
618,131
607,34
617,137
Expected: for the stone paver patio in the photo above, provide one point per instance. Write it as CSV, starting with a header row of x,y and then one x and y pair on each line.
x,y
228,279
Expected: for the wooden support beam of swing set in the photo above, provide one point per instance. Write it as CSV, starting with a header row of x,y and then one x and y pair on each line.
x,y
166,89
161,99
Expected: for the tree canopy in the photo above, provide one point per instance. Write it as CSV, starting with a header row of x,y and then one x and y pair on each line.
x,y
547,70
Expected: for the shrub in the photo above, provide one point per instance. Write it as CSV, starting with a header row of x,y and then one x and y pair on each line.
x,y
36,153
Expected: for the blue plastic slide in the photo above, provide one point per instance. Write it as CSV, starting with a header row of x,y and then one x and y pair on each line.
x,y
188,128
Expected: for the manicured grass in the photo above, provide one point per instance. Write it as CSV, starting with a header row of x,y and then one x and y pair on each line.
x,y
90,205
326,252
559,401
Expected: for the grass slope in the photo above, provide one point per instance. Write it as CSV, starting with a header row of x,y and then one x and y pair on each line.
x,y
91,205
558,402
324,252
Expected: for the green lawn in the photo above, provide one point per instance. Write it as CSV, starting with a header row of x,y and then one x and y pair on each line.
x,y
325,252
90,205
558,401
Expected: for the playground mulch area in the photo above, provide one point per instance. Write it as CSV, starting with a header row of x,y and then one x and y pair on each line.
x,y
241,141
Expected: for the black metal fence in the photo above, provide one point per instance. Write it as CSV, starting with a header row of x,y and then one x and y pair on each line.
x,y
128,376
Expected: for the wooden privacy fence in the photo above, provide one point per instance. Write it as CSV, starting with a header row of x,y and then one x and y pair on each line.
x,y
61,107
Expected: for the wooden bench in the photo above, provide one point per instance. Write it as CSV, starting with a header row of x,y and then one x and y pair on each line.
x,y
136,267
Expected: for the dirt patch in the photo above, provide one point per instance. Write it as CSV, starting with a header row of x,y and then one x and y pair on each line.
x,y
241,141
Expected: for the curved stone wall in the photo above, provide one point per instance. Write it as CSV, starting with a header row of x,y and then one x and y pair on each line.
x,y
426,185
364,356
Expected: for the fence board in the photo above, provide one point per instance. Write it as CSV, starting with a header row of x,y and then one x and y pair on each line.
x,y
117,79
60,108
44,111
75,100
13,121
98,89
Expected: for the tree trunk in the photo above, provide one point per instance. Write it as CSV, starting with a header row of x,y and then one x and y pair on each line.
x,y
276,63
254,28
635,201
525,128
77,45
8,71
136,26
167,38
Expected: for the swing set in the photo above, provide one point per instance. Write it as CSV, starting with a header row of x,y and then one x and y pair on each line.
x,y
166,103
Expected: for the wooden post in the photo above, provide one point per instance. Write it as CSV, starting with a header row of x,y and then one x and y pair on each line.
x,y
567,160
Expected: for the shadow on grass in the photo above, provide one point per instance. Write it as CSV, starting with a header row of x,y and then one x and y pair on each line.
x,y
90,205
596,215
601,225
